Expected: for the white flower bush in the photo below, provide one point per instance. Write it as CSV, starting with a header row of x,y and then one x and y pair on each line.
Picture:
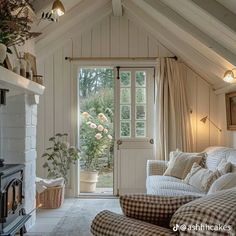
x,y
95,138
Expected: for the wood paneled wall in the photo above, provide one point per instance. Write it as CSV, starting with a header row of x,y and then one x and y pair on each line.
x,y
117,37
112,37
202,102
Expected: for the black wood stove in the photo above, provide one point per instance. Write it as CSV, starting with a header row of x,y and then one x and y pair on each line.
x,y
12,213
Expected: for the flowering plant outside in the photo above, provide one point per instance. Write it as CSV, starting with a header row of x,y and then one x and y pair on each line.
x,y
95,139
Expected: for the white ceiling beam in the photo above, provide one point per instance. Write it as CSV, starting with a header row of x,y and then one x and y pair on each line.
x,y
226,89
218,11
84,10
205,22
76,30
117,8
188,32
190,55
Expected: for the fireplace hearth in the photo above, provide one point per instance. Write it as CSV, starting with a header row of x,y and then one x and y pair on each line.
x,y
12,213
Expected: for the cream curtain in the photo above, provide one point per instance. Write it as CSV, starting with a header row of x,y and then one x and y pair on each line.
x,y
172,122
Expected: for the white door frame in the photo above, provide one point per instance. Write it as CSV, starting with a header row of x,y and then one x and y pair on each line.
x,y
75,177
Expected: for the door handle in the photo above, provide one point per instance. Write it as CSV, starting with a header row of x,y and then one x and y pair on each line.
x,y
119,142
151,141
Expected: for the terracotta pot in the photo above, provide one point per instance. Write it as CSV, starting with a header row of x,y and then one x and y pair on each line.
x,y
88,181
3,53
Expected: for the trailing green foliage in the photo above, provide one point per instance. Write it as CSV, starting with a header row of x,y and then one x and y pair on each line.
x,y
60,156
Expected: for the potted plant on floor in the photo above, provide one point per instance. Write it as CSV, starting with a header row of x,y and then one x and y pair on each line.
x,y
95,139
59,159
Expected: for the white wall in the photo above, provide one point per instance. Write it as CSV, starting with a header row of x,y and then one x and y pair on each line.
x,y
202,102
112,37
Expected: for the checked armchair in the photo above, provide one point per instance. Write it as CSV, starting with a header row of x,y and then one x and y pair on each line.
x,y
152,215
144,215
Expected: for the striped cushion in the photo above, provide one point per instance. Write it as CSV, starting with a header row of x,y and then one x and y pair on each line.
x,y
216,154
212,210
201,178
170,186
153,209
107,223
181,163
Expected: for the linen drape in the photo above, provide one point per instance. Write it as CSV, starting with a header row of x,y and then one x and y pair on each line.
x,y
172,121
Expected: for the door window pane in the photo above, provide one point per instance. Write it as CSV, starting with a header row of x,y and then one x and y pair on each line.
x,y
125,95
140,112
125,129
140,95
125,112
140,78
125,79
140,128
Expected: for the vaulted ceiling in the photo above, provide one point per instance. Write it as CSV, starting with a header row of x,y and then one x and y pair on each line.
x,y
202,33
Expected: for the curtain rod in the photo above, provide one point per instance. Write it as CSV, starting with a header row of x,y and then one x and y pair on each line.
x,y
114,58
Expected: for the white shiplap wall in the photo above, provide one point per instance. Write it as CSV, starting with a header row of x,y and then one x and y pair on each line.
x,y
117,37
202,102
112,37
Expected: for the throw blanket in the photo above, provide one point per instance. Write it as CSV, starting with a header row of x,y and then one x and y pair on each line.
x,y
43,184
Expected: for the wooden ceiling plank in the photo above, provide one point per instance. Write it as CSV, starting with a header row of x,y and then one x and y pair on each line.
x,y
188,32
76,30
218,11
208,70
84,10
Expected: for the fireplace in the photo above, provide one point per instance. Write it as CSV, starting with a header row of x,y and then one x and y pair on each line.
x,y
12,213
19,98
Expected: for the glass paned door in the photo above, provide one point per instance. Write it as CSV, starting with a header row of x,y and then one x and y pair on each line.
x,y
134,123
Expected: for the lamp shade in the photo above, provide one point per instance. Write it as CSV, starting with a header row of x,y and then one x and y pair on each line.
x,y
204,119
58,8
229,76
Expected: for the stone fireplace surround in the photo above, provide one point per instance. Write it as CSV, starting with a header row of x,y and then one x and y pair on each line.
x,y
18,121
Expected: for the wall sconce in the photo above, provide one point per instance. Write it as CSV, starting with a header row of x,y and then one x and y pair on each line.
x,y
204,119
230,76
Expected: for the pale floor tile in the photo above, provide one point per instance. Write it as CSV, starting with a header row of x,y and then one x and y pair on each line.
x,y
47,219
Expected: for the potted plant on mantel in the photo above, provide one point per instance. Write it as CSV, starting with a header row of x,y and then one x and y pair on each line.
x,y
16,18
95,138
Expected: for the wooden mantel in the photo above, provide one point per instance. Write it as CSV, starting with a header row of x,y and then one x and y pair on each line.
x,y
18,84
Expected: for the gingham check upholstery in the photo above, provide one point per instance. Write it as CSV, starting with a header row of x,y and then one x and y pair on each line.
x,y
151,208
156,167
107,223
211,210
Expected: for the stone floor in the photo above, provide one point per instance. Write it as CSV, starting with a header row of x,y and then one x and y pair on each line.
x,y
47,219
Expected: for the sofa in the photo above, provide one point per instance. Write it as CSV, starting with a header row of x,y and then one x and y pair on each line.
x,y
158,184
172,207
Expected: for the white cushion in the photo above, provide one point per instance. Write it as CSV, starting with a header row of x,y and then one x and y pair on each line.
x,y
170,186
201,178
224,167
214,155
181,163
226,181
